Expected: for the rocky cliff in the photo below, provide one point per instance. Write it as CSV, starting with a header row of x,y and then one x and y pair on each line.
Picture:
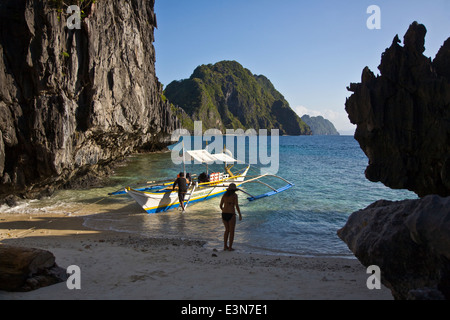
x,y
403,116
228,96
403,126
409,240
73,101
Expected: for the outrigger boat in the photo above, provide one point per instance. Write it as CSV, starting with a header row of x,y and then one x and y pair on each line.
x,y
160,197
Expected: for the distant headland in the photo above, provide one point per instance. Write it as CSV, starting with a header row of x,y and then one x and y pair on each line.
x,y
320,126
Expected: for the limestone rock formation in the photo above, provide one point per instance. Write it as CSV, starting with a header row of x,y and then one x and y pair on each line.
x,y
228,96
26,269
403,116
403,126
409,240
73,101
320,126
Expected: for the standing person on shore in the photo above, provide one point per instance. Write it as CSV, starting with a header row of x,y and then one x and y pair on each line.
x,y
182,184
229,204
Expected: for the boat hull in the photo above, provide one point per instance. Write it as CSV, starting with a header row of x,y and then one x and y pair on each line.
x,y
157,205
168,200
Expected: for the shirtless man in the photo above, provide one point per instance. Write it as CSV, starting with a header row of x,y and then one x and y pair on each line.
x,y
181,182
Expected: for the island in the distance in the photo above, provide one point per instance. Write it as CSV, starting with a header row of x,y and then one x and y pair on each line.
x,y
320,126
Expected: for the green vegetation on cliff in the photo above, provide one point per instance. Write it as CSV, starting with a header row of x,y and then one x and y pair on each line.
x,y
228,96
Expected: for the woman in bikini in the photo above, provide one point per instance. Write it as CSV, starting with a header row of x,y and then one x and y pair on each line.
x,y
228,205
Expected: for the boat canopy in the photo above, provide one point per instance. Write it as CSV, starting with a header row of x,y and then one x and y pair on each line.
x,y
204,156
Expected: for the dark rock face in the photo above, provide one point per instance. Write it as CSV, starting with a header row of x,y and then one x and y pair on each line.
x,y
73,101
403,126
26,269
409,240
403,117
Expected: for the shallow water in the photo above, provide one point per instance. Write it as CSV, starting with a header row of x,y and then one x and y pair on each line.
x,y
328,173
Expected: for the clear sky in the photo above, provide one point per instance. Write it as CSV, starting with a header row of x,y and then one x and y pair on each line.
x,y
310,50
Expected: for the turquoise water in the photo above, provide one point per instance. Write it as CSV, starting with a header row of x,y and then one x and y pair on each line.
x,y
328,173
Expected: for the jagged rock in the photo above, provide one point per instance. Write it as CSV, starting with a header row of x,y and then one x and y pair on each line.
x,y
403,126
409,240
73,101
26,269
403,117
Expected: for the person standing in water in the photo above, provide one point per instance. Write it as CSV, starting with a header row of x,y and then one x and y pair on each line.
x,y
182,184
229,204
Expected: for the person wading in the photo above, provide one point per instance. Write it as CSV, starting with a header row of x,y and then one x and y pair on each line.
x,y
182,188
229,204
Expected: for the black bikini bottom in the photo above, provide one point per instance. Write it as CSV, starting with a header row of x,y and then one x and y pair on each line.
x,y
227,216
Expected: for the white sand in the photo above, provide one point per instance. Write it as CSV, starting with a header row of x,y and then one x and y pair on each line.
x,y
122,266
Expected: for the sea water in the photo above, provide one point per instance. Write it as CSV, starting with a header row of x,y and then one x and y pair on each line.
x,y
328,173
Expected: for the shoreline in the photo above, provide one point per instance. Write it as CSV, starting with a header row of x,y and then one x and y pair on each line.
x,y
131,267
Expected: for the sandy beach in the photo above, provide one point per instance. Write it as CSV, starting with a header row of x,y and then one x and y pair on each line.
x,y
124,266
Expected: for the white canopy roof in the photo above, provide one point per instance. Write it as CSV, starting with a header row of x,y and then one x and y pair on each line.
x,y
204,156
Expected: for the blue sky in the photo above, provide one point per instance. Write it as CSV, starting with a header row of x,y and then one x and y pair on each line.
x,y
310,50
